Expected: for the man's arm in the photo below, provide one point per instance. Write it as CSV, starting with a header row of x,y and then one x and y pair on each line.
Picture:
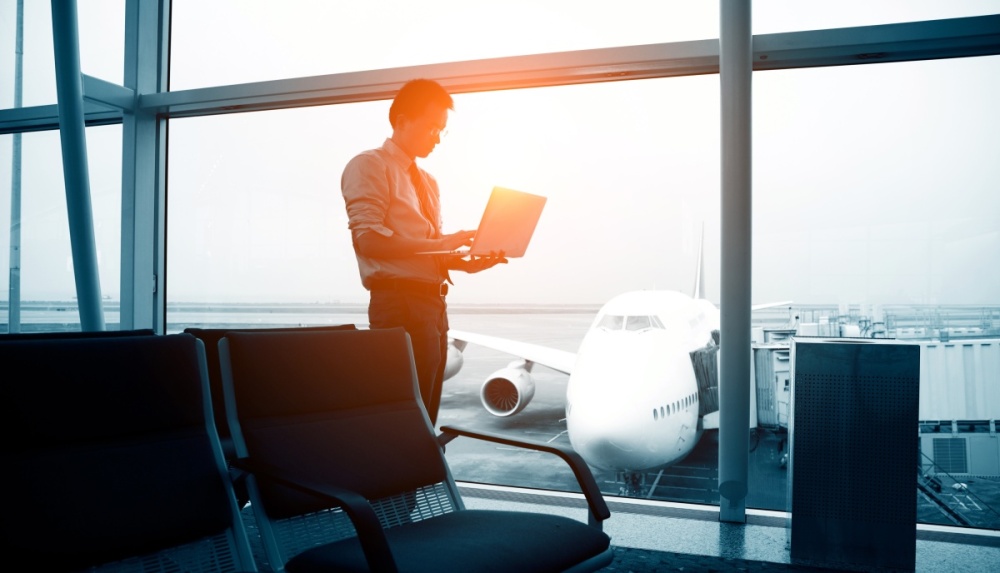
x,y
367,193
376,245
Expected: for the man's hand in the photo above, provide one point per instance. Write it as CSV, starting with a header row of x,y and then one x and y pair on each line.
x,y
476,264
454,241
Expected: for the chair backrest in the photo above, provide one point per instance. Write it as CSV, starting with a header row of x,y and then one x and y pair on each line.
x,y
72,334
342,404
342,408
110,454
211,338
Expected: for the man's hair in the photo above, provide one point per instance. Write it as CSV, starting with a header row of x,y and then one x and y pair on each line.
x,y
414,97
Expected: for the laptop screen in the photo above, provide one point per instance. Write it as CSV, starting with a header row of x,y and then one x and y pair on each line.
x,y
507,225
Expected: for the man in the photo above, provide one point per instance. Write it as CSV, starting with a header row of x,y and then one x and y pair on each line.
x,y
394,213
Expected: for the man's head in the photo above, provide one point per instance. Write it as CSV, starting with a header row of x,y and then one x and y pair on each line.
x,y
418,114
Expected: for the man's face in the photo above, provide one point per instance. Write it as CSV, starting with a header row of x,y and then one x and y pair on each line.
x,y
419,135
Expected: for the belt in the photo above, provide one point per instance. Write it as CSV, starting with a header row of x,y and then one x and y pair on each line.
x,y
409,285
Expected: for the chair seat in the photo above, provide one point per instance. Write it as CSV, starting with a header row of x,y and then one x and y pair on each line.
x,y
454,542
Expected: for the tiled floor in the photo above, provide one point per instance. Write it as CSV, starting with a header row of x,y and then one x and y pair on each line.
x,y
630,560
650,536
655,536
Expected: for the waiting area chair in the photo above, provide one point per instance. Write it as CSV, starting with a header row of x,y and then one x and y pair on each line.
x,y
111,461
73,334
348,475
211,337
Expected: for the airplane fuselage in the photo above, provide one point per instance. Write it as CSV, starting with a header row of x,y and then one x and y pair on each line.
x,y
632,398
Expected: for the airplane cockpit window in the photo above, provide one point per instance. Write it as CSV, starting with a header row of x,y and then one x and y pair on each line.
x,y
611,322
636,323
642,323
630,323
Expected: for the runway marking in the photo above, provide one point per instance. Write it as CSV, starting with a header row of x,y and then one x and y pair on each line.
x,y
656,482
556,437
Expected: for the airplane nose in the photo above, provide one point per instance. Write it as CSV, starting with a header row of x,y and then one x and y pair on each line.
x,y
603,453
607,440
612,396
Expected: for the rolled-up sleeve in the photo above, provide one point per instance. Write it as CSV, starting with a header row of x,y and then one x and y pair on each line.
x,y
367,190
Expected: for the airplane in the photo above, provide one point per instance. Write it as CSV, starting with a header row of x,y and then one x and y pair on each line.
x,y
632,401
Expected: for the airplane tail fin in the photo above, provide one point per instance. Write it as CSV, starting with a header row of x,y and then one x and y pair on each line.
x,y
699,286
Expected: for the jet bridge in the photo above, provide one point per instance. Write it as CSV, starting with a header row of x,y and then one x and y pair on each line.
x,y
772,384
705,361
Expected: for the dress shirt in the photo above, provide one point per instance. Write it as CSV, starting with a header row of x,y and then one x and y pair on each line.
x,y
381,197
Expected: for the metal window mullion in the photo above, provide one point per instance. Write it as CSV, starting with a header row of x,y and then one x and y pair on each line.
x,y
143,159
735,71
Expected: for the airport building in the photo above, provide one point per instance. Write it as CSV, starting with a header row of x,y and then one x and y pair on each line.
x,y
170,165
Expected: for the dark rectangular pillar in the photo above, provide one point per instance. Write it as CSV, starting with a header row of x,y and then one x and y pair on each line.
x,y
854,450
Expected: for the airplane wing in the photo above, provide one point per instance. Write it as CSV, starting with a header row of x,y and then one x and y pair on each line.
x,y
558,360
770,305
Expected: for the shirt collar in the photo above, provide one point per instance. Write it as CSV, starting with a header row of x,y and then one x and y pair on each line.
x,y
397,154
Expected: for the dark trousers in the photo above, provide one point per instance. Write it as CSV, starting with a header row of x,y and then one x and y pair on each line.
x,y
425,319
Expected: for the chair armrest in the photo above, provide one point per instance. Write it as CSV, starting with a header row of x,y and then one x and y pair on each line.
x,y
370,532
595,499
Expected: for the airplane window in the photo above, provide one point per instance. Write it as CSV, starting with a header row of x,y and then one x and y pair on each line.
x,y
662,412
655,414
637,323
611,322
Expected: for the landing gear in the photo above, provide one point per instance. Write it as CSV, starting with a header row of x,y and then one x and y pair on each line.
x,y
773,437
631,484
783,461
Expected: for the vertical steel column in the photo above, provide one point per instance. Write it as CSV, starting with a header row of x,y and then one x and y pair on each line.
x,y
735,66
14,287
72,134
143,238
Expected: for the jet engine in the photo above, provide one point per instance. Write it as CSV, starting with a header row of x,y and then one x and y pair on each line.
x,y
508,390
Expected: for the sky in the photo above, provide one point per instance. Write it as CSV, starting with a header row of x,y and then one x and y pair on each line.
x,y
872,184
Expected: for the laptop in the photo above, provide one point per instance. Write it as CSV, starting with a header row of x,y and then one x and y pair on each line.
x,y
507,225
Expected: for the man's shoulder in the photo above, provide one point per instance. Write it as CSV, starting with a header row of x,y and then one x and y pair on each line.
x,y
380,156
366,162
369,155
